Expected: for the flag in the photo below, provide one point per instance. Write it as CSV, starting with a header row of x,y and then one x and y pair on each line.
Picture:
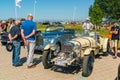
x,y
17,3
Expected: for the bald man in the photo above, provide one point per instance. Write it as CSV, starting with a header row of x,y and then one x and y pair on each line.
x,y
28,35
15,38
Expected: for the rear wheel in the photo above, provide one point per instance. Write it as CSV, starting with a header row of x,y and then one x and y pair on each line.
x,y
88,64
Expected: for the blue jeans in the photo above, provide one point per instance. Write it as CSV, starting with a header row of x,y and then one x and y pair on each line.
x,y
16,53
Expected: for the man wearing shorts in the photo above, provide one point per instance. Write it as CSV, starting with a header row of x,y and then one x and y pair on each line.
x,y
115,38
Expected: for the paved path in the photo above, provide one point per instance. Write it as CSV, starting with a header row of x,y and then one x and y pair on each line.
x,y
104,69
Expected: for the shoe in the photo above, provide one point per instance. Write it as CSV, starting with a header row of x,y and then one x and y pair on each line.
x,y
17,65
114,57
32,66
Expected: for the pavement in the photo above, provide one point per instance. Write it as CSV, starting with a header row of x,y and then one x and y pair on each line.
x,y
105,68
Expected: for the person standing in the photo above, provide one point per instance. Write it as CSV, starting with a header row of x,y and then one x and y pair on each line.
x,y
87,26
4,26
28,34
15,38
110,35
115,38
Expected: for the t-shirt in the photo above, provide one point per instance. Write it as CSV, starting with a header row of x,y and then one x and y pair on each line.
x,y
115,36
110,34
15,30
28,26
87,25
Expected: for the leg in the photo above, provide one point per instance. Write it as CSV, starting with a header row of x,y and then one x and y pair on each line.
x,y
16,53
116,45
31,53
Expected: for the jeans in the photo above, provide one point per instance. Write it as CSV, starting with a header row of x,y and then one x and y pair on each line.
x,y
16,53
30,52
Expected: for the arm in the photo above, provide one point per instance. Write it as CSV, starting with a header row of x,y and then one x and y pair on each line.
x,y
10,38
22,34
33,33
23,37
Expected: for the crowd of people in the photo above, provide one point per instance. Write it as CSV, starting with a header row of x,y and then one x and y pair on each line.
x,y
21,31
114,34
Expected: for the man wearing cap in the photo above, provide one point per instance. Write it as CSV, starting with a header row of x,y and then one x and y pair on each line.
x,y
15,38
28,34
87,25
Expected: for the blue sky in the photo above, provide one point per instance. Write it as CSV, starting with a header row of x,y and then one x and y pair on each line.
x,y
47,9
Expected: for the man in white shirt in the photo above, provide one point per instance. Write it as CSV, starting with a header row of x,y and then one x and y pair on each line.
x,y
87,26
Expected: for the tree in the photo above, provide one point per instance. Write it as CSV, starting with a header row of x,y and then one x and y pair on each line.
x,y
110,8
95,14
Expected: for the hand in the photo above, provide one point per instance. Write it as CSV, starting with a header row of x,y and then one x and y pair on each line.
x,y
26,37
25,42
10,41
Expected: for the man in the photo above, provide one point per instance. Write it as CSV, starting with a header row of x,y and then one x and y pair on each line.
x,y
28,34
115,38
15,38
110,35
4,26
87,26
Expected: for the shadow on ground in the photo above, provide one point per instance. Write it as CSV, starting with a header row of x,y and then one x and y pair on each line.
x,y
36,60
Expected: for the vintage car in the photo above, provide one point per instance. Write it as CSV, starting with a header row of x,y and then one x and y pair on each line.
x,y
54,34
77,52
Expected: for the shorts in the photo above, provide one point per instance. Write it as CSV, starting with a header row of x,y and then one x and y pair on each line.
x,y
114,43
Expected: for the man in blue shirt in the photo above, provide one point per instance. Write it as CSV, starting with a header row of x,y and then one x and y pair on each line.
x,y
15,38
28,30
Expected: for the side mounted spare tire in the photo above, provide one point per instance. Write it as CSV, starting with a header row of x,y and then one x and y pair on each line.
x,y
88,61
9,47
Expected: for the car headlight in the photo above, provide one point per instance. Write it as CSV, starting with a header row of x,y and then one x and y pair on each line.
x,y
48,40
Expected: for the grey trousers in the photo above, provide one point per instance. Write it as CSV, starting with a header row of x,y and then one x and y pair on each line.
x,y
29,48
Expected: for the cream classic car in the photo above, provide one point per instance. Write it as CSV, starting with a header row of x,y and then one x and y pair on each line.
x,y
79,51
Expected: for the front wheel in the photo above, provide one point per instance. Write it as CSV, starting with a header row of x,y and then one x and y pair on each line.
x,y
118,72
88,61
47,56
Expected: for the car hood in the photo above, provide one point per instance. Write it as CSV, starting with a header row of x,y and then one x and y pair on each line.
x,y
51,34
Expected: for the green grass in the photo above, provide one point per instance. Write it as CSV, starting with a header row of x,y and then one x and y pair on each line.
x,y
77,27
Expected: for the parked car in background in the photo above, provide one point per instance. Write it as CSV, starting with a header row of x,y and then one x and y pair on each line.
x,y
54,34
5,41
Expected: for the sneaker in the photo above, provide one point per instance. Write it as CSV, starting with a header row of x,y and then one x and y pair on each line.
x,y
32,66
17,65
114,57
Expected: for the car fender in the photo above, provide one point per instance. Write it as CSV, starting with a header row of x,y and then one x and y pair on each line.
x,y
87,51
50,46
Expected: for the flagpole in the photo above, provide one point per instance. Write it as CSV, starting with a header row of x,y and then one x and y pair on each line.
x,y
74,12
15,10
34,8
